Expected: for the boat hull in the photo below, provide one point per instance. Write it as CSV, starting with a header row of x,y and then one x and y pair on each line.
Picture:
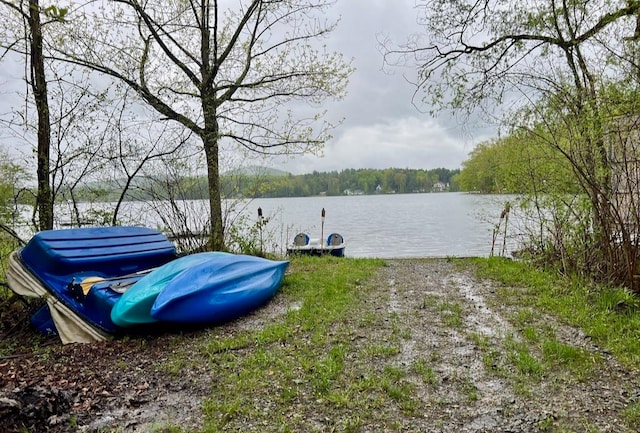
x,y
203,288
220,291
133,308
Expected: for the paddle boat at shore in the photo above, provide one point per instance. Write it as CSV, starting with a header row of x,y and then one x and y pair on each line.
x,y
104,281
303,244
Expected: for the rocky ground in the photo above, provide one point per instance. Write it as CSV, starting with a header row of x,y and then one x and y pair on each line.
x,y
454,322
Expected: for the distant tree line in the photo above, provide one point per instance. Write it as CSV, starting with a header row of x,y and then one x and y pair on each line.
x,y
345,182
238,185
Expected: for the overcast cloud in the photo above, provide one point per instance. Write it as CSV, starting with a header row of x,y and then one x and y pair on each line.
x,y
383,127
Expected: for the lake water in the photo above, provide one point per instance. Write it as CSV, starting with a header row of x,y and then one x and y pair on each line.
x,y
399,225
385,226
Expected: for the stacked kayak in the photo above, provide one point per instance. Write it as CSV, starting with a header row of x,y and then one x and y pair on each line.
x,y
200,288
99,282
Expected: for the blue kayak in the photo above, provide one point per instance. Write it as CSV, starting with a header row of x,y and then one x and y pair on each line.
x,y
200,288
222,290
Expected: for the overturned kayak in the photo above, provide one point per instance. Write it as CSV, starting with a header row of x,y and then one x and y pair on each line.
x,y
200,288
223,289
134,306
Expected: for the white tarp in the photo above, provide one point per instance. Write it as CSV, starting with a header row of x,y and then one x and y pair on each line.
x,y
71,328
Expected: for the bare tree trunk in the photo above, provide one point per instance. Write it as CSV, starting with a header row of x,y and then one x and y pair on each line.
x,y
216,237
211,133
210,139
44,198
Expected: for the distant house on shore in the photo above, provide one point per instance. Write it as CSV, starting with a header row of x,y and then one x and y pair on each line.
x,y
354,192
439,187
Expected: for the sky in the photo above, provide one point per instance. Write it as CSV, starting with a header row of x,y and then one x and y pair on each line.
x,y
383,127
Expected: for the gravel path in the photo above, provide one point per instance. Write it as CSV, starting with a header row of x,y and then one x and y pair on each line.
x,y
476,388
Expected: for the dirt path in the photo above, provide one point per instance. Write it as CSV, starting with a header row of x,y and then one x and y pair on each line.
x,y
457,324
471,360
